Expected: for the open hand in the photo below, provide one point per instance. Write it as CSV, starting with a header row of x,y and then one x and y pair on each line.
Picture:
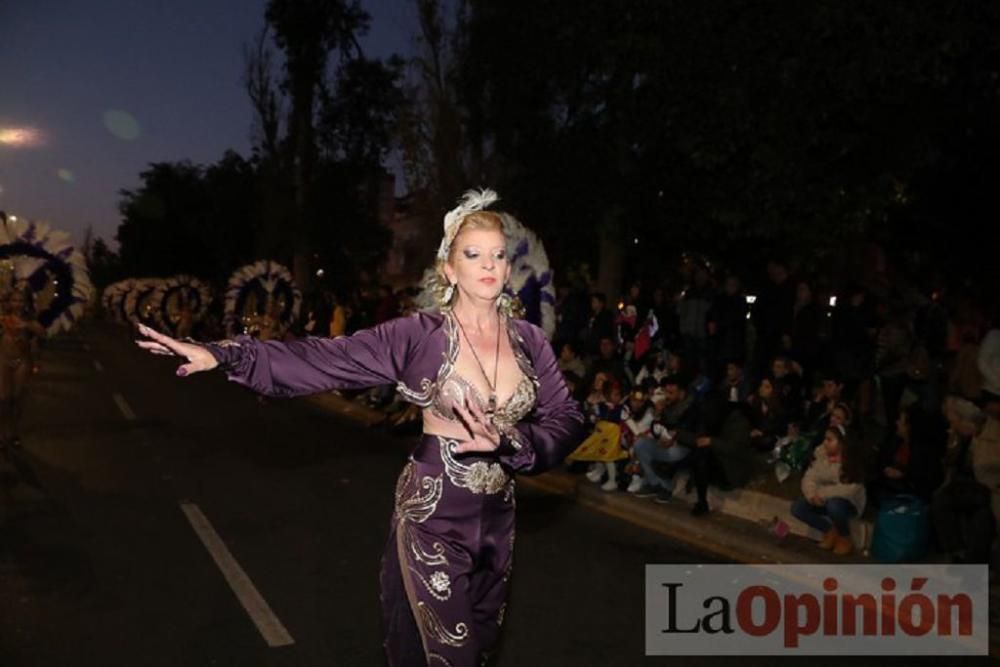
x,y
199,359
483,433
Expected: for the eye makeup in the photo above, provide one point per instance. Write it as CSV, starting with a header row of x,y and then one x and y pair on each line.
x,y
471,252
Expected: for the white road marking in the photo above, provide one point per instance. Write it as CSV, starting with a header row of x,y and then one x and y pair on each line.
x,y
123,406
253,602
98,365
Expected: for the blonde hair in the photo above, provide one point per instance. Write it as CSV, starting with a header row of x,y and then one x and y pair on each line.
x,y
437,281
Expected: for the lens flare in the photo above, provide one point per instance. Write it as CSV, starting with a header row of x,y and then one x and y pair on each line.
x,y
20,137
121,124
66,175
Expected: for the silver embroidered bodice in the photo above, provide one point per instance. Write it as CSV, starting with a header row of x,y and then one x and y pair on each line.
x,y
441,393
454,389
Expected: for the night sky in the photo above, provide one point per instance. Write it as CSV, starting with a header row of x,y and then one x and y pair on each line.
x,y
104,87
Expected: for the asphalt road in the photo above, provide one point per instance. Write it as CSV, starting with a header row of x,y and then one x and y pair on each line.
x,y
100,563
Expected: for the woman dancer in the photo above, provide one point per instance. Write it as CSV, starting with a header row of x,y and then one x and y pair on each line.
x,y
496,406
19,332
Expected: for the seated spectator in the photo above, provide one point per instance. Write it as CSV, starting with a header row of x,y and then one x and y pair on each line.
x,y
735,388
827,396
595,406
960,509
603,448
767,417
654,367
841,415
985,447
574,383
570,361
721,455
701,385
911,465
608,361
674,420
637,420
832,492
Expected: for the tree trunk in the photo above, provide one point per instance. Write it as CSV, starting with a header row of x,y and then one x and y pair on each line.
x,y
611,255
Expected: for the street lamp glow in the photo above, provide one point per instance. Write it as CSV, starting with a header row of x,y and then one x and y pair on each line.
x,y
20,137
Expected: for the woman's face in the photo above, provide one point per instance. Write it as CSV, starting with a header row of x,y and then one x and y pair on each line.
x,y
478,263
831,443
766,389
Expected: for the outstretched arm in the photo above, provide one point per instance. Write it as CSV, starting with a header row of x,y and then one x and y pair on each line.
x,y
370,357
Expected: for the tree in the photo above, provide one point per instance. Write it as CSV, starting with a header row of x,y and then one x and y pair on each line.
x,y
733,127
339,125
185,218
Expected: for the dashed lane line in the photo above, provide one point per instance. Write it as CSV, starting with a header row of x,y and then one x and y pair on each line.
x,y
123,406
268,624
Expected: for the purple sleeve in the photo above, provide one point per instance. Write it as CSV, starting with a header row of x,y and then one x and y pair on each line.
x,y
370,357
554,429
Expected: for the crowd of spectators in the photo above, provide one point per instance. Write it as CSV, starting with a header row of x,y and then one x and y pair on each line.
x,y
869,397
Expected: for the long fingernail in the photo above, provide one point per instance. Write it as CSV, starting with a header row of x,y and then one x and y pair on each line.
x,y
182,372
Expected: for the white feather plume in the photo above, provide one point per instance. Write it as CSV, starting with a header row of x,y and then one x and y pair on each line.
x,y
472,200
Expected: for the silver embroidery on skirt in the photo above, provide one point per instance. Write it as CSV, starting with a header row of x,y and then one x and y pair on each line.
x,y
478,477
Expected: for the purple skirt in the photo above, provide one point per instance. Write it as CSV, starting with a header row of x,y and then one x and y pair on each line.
x,y
447,563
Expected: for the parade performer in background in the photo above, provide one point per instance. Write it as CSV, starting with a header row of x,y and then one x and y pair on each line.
x,y
44,289
115,298
140,305
495,407
19,332
180,303
262,301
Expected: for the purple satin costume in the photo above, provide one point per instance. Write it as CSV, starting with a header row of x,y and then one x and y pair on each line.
x,y
447,562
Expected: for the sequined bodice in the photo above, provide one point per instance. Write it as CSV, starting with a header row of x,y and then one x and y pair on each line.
x,y
454,388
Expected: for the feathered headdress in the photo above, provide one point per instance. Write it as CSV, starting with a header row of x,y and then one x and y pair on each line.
x,y
471,201
44,260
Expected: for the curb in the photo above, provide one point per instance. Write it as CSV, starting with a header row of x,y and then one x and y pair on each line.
x,y
719,534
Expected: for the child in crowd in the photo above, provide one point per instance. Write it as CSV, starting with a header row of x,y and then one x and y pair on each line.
x,y
603,448
637,419
832,492
767,416
654,367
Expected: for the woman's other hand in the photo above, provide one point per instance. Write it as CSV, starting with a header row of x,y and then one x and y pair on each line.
x,y
483,433
198,357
